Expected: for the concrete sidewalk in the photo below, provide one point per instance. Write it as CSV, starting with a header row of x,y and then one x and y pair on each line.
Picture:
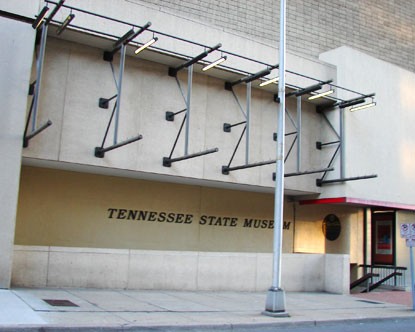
x,y
123,310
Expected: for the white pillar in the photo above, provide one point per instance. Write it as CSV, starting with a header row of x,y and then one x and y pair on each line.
x,y
15,66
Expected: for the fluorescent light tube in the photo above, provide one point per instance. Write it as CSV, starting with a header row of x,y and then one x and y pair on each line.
x,y
271,80
215,63
357,108
142,47
65,23
322,94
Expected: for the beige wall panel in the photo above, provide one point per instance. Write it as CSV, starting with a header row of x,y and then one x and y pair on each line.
x,y
93,268
303,272
160,270
264,264
226,271
30,266
337,265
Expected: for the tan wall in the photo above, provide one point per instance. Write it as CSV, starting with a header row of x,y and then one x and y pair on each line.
x,y
308,235
61,208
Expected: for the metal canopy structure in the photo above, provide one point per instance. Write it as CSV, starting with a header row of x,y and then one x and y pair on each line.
x,y
167,161
40,24
119,45
247,114
339,142
177,61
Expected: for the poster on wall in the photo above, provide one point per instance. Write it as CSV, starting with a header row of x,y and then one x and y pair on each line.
x,y
384,237
383,246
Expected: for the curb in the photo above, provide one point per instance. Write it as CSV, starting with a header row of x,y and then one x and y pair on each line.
x,y
203,328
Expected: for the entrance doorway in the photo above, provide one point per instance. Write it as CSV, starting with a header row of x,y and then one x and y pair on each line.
x,y
383,237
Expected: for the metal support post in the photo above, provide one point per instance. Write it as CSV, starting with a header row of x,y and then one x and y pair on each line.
x,y
342,146
298,133
248,121
275,302
188,102
119,87
39,69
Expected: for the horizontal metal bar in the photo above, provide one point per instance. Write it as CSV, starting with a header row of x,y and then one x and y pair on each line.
x,y
27,138
275,135
139,31
54,11
173,71
227,169
247,79
168,161
388,267
320,182
100,152
309,172
308,89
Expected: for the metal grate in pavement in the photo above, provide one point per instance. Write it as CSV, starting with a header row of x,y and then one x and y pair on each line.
x,y
60,303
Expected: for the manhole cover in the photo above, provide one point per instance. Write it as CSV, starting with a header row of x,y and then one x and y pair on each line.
x,y
60,303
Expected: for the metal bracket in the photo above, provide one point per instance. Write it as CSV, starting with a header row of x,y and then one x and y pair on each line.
x,y
100,151
287,175
34,90
340,143
227,126
170,115
167,161
320,182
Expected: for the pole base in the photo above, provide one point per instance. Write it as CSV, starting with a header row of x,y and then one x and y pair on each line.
x,y
275,303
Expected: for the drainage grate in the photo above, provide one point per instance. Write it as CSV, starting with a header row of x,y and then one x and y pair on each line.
x,y
60,303
371,302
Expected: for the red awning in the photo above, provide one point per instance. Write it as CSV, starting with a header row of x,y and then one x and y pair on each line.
x,y
358,202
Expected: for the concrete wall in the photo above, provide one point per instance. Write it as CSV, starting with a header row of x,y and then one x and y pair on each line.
x,y
136,269
15,67
379,140
309,238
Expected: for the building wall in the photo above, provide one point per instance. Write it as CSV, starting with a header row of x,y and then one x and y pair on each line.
x,y
383,29
71,209
378,140
64,224
15,72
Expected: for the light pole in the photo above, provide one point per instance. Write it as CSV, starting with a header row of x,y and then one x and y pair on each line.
x,y
275,302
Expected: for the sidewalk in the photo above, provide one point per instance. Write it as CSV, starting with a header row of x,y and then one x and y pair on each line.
x,y
123,310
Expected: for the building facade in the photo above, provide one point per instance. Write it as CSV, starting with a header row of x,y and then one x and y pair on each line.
x,y
150,172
